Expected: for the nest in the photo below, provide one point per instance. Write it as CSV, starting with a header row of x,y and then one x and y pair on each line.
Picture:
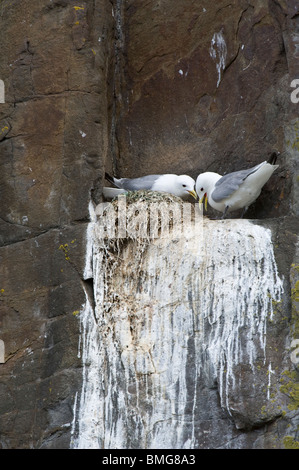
x,y
147,214
149,196
128,224
141,216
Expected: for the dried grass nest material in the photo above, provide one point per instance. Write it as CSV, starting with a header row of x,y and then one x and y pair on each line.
x,y
143,201
149,213
148,196
146,216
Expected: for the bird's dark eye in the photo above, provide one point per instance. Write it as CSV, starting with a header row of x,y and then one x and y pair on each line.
x,y
201,189
184,185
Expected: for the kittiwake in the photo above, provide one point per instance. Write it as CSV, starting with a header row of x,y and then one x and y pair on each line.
x,y
235,190
178,185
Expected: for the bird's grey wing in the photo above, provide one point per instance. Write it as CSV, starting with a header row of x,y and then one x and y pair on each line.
x,y
134,184
111,193
229,183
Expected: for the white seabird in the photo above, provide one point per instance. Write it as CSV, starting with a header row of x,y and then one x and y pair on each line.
x,y
178,185
235,190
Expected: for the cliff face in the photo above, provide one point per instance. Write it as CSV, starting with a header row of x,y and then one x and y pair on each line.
x,y
141,87
54,63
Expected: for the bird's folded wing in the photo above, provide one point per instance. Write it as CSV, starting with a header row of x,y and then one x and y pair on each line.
x,y
134,184
229,183
110,193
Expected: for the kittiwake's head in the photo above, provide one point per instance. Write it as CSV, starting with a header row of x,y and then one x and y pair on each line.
x,y
184,186
205,183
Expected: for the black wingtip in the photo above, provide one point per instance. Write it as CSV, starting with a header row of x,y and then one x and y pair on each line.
x,y
109,178
273,157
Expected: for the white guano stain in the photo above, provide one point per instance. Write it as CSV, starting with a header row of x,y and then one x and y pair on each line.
x,y
218,52
152,300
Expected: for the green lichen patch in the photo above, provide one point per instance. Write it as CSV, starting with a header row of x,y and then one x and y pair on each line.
x,y
290,443
295,309
290,387
65,249
295,142
295,292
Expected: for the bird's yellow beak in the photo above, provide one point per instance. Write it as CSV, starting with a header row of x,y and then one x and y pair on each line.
x,y
205,197
193,193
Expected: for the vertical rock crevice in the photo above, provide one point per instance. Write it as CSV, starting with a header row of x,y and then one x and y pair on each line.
x,y
117,78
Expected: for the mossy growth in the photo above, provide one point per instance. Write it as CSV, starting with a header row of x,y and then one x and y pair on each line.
x,y
290,443
290,387
65,248
294,266
295,292
295,310
295,143
277,307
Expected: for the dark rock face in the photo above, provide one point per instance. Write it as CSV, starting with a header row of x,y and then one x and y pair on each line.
x,y
207,87
132,87
54,64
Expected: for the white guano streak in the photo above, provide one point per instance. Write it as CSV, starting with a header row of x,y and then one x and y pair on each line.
x,y
218,52
215,291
